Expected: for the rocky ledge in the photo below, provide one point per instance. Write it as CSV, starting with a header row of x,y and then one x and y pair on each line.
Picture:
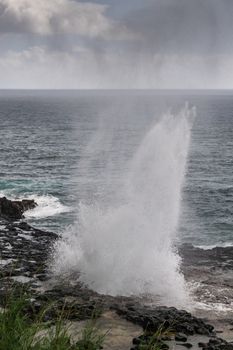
x,y
177,328
25,252
13,210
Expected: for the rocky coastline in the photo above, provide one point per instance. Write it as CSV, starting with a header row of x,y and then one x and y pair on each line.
x,y
24,256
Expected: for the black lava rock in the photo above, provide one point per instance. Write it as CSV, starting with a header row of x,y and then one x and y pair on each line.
x,y
13,210
179,321
180,337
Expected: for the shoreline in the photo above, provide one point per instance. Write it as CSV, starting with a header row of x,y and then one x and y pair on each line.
x,y
24,254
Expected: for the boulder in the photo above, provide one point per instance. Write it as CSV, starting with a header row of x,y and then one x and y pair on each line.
x,y
13,210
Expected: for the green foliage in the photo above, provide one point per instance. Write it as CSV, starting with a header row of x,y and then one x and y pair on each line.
x,y
15,331
20,332
155,340
91,338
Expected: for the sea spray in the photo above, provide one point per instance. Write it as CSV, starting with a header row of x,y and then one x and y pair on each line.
x,y
128,248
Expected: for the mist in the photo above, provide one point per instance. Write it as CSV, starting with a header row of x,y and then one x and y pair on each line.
x,y
155,44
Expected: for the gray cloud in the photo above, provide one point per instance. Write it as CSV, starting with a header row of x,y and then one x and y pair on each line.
x,y
190,26
75,44
45,17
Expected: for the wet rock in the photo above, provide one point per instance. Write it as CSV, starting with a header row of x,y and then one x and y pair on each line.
x,y
24,251
167,321
180,337
148,342
226,347
218,257
13,210
151,319
186,345
216,344
216,341
202,345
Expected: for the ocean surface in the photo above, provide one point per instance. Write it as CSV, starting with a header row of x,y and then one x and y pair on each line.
x,y
63,148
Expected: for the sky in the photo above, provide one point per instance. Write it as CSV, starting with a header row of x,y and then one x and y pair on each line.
x,y
116,44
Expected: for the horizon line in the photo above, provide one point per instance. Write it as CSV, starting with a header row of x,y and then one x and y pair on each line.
x,y
115,89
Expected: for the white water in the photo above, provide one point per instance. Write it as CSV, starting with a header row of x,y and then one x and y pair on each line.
x,y
127,249
47,205
212,246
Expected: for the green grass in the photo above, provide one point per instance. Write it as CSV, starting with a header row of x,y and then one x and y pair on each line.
x,y
20,331
23,329
156,339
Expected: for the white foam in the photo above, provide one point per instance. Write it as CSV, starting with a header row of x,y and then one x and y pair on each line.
x,y
48,205
127,249
216,307
212,246
207,298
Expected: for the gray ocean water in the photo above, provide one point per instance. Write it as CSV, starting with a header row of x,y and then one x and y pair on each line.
x,y
63,147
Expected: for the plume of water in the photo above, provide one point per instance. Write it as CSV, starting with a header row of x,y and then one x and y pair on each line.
x,y
128,249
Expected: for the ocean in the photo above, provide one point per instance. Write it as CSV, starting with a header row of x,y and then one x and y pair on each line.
x,y
63,148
